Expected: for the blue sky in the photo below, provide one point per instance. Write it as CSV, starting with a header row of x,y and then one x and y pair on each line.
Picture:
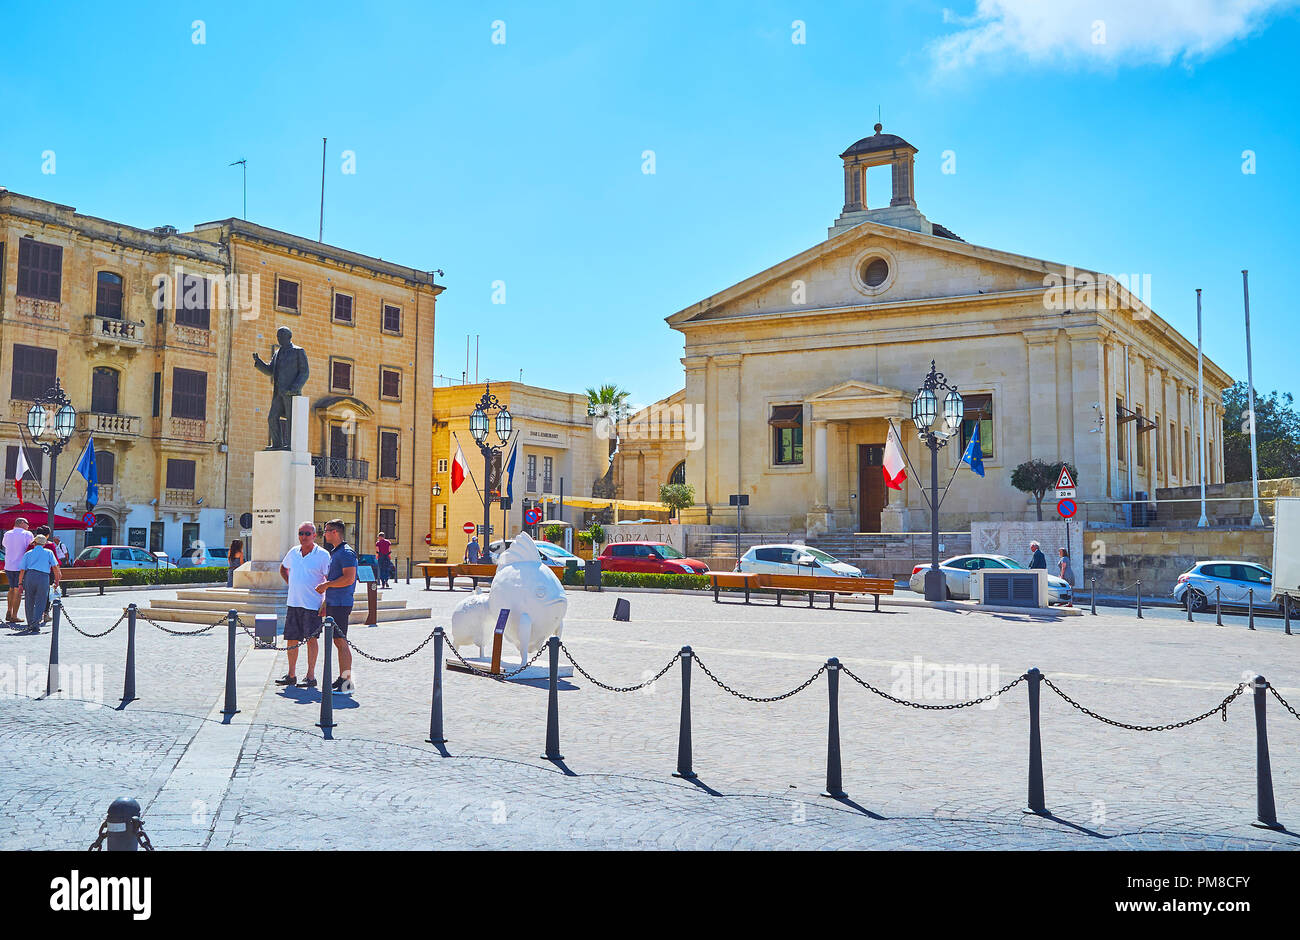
x,y
522,161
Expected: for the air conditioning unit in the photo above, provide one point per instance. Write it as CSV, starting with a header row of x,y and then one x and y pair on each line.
x,y
1001,587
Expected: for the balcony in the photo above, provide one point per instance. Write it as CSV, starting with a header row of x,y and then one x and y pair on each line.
x,y
188,429
341,468
18,410
115,334
183,499
47,312
110,426
192,336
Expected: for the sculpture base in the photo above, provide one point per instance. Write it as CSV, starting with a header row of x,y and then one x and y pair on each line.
x,y
531,674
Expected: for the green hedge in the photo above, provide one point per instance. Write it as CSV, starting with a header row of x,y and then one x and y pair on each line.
x,y
664,582
170,575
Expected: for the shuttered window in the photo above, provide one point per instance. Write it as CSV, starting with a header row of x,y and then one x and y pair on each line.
x,y
390,384
392,318
193,302
343,308
180,474
189,394
108,295
340,375
388,454
105,467
34,371
40,269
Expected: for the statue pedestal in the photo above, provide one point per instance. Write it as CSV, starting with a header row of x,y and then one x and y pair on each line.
x,y
284,494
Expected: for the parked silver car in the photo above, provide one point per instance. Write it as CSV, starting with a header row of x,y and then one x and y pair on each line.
x,y
795,559
1235,581
957,571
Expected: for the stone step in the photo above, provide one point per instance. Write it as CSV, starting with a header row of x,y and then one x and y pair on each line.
x,y
172,615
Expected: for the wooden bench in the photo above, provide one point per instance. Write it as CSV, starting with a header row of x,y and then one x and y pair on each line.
x,y
81,577
830,586
731,579
476,573
432,570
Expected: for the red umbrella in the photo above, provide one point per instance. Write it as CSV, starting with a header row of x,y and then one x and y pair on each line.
x,y
35,516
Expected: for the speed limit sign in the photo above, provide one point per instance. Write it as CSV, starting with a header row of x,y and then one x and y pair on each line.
x,y
469,528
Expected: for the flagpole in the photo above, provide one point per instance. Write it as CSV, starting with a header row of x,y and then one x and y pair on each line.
x,y
920,489
39,485
961,460
470,470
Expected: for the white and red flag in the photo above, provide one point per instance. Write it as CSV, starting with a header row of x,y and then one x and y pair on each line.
x,y
20,468
892,466
458,469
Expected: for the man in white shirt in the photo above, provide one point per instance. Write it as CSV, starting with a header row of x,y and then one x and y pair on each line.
x,y
16,542
303,568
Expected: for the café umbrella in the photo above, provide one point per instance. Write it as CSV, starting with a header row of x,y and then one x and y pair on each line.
x,y
35,516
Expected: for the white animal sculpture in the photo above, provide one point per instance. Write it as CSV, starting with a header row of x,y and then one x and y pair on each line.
x,y
522,585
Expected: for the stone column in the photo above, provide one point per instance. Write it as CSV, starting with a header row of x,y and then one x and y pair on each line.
x,y
1041,415
820,518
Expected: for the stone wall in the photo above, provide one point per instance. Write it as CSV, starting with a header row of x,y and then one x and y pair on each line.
x,y
1119,557
1013,538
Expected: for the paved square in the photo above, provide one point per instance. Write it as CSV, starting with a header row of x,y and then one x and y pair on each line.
x,y
915,778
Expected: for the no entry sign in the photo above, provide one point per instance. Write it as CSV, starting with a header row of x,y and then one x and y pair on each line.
x,y
468,528
1066,508
88,520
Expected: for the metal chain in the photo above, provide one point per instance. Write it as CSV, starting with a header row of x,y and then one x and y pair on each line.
x,y
938,708
94,636
1221,708
98,844
140,835
202,630
757,698
493,675
395,659
1285,703
615,688
266,646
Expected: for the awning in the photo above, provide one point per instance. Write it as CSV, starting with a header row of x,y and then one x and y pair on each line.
x,y
35,516
587,502
786,416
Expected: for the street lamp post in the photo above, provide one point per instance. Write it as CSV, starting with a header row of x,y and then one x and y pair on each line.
x,y
50,422
925,409
478,427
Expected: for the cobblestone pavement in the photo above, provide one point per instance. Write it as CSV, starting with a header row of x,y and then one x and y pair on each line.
x,y
915,779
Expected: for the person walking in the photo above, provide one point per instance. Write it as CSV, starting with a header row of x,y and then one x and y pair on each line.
x,y
303,568
338,592
1039,560
1067,572
472,555
383,548
16,542
234,558
40,571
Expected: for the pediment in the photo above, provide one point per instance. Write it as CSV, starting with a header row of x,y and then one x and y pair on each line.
x,y
853,390
343,408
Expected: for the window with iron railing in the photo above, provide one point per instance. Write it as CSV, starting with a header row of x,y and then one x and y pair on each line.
x,y
532,473
547,474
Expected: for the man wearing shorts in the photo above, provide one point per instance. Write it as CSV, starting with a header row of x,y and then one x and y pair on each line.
x,y
16,542
339,591
303,568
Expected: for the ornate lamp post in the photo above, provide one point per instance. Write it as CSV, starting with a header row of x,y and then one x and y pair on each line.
x,y
478,426
925,409
51,421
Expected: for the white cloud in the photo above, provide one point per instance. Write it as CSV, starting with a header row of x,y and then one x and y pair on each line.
x,y
1098,32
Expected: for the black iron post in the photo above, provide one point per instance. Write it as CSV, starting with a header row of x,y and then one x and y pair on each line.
x,y
1286,613
925,408
435,711
327,681
122,816
478,424
52,676
128,683
553,703
1218,606
1094,597
1139,585
834,780
1037,801
232,706
1266,811
1250,607
1187,598
684,769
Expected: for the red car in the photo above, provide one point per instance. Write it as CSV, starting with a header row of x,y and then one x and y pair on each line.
x,y
648,558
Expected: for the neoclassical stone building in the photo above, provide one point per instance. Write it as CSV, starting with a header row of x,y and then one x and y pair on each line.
x,y
801,368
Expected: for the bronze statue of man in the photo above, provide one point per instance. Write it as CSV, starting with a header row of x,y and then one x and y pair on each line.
x,y
288,371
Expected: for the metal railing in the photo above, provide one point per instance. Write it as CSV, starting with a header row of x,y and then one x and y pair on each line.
x,y
340,468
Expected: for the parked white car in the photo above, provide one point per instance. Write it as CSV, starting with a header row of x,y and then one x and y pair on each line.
x,y
795,559
1234,579
551,553
957,571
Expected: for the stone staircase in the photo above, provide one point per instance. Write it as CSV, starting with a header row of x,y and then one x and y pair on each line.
x,y
204,605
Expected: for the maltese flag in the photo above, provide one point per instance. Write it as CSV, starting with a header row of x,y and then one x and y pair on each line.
x,y
893,468
20,468
458,469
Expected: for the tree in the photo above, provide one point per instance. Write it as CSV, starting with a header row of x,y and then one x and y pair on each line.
x,y
1277,434
1039,476
608,401
677,496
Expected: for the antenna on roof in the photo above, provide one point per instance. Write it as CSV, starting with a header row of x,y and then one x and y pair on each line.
x,y
320,235
244,164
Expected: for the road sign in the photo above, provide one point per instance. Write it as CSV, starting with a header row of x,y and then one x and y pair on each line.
x,y
532,517
739,499
1065,481
468,528
1066,508
88,520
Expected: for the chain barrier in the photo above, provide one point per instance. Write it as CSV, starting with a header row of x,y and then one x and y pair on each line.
x,y
264,644
616,688
492,675
757,698
1285,703
98,844
938,708
93,636
141,837
380,659
149,620
1221,708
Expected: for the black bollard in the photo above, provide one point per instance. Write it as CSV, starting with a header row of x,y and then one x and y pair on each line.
x,y
52,676
408,569
327,680
622,609
435,710
1187,598
834,781
128,683
1218,606
1250,608
232,705
122,817
1094,597
1037,802
1286,613
553,704
684,769
1267,812
1139,584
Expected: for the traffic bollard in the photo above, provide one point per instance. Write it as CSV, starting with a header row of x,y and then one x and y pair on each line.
x,y
128,683
1250,608
1218,606
1094,597
52,676
834,781
435,710
1286,613
122,816
553,704
1037,801
408,570
232,704
1265,809
327,680
1187,598
1139,600
684,769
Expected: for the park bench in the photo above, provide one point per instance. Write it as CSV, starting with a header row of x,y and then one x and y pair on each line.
x,y
813,585
438,570
476,573
731,579
81,577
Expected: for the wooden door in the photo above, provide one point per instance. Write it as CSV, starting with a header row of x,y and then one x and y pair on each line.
x,y
872,493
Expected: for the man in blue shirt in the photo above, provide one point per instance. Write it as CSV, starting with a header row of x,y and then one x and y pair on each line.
x,y
339,589
39,571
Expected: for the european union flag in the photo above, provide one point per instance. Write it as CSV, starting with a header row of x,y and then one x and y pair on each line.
x,y
510,472
973,457
86,467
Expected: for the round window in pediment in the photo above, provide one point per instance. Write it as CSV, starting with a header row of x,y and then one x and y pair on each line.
x,y
875,272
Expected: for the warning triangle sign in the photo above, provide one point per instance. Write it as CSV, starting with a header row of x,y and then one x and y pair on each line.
x,y
1065,481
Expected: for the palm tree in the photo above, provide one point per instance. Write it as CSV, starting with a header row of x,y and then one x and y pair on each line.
x,y
608,403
